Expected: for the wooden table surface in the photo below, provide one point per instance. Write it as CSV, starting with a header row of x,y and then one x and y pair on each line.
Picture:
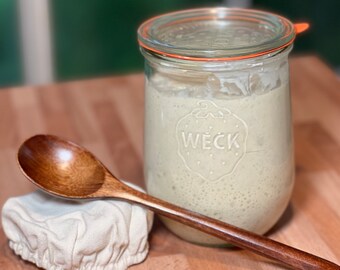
x,y
106,116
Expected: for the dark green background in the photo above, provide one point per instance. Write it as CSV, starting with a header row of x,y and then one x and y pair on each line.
x,y
98,37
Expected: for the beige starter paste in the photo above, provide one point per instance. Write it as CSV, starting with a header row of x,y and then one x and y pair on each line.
x,y
223,155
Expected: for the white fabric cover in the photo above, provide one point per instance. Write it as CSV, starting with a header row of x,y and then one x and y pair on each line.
x,y
62,234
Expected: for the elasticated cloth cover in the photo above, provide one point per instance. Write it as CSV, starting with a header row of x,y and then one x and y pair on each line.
x,y
62,234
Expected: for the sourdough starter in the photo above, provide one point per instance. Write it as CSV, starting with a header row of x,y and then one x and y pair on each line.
x,y
222,154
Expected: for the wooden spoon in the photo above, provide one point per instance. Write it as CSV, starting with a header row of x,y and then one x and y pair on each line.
x,y
65,169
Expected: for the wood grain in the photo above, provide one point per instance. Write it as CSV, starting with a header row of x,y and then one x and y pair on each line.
x,y
87,112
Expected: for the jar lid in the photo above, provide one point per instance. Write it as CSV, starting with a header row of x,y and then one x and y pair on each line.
x,y
216,34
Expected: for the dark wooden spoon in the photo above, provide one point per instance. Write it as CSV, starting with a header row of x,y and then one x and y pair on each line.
x,y
65,169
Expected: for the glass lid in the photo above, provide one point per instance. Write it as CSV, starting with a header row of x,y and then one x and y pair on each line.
x,y
216,34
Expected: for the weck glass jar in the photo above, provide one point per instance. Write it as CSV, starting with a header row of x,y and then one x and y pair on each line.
x,y
218,135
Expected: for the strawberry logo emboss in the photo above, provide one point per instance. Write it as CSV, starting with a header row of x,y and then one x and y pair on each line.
x,y
211,140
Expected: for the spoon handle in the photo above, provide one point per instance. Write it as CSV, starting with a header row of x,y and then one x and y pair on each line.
x,y
295,258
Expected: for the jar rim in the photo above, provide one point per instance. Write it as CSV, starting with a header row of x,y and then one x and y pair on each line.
x,y
216,34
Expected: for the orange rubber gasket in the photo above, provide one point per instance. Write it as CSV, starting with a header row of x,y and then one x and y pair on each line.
x,y
191,58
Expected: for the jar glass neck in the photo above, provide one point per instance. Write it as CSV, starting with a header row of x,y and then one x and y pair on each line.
x,y
168,62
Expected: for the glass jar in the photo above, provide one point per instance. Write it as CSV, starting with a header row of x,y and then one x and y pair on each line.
x,y
218,128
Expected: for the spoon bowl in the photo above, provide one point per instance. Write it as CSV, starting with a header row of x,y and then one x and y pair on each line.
x,y
68,170
60,167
